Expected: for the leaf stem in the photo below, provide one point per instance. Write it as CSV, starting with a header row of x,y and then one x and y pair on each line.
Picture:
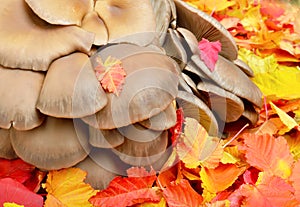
x,y
235,136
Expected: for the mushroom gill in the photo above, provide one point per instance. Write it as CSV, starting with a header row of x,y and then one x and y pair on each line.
x,y
6,150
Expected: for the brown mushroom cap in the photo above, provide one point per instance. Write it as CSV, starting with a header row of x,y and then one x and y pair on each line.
x,y
142,153
205,26
105,138
193,107
150,76
92,23
28,42
56,144
244,67
231,78
117,15
71,88
61,12
6,150
228,106
250,113
162,121
19,90
190,39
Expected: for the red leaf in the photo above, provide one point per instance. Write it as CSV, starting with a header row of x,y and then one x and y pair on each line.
x,y
182,194
209,52
127,192
14,192
111,74
177,129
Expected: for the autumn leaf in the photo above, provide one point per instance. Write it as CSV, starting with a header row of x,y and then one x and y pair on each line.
x,y
293,141
12,191
209,52
111,74
195,147
162,203
220,178
269,154
182,194
295,178
12,205
66,188
126,192
140,172
176,130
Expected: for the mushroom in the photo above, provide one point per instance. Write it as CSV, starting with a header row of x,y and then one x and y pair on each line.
x,y
190,39
27,42
105,138
228,106
142,153
102,166
250,113
162,121
194,108
71,89
56,144
149,75
19,90
92,23
117,15
204,26
61,12
6,150
231,78
244,67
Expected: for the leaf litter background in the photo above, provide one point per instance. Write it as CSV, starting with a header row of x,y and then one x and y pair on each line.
x,y
257,166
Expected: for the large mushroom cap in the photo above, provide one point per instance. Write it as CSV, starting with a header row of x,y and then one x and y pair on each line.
x,y
19,91
6,150
105,138
56,144
28,42
149,75
118,15
63,12
205,26
71,89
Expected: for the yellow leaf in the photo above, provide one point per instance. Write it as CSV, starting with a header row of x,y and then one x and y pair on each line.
x,y
294,144
208,196
162,203
231,155
11,205
252,19
66,189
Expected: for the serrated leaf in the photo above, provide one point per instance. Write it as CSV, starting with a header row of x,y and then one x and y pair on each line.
x,y
111,74
182,194
127,192
209,52
66,188
269,154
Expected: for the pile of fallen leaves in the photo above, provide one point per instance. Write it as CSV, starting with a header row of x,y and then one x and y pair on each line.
x,y
254,166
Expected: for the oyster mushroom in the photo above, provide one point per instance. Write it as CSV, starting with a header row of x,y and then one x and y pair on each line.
x,y
71,89
56,144
105,138
28,42
6,150
19,90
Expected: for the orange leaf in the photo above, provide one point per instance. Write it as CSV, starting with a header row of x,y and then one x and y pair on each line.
x,y
127,192
220,178
195,147
295,178
66,188
269,154
182,194
111,74
209,52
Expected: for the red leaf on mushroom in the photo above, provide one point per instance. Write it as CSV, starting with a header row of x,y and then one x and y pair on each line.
x,y
209,52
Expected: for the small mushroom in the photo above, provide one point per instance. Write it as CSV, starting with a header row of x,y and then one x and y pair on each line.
x,y
102,166
162,121
190,39
92,23
61,12
71,89
56,144
28,42
193,107
142,153
227,75
118,15
228,106
204,26
244,67
6,150
105,138
19,90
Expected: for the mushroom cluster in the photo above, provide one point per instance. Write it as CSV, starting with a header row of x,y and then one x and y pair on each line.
x,y
54,113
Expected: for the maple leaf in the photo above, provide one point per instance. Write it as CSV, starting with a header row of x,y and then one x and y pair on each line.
x,y
126,192
295,178
196,148
209,52
66,188
111,74
269,154
182,194
12,191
